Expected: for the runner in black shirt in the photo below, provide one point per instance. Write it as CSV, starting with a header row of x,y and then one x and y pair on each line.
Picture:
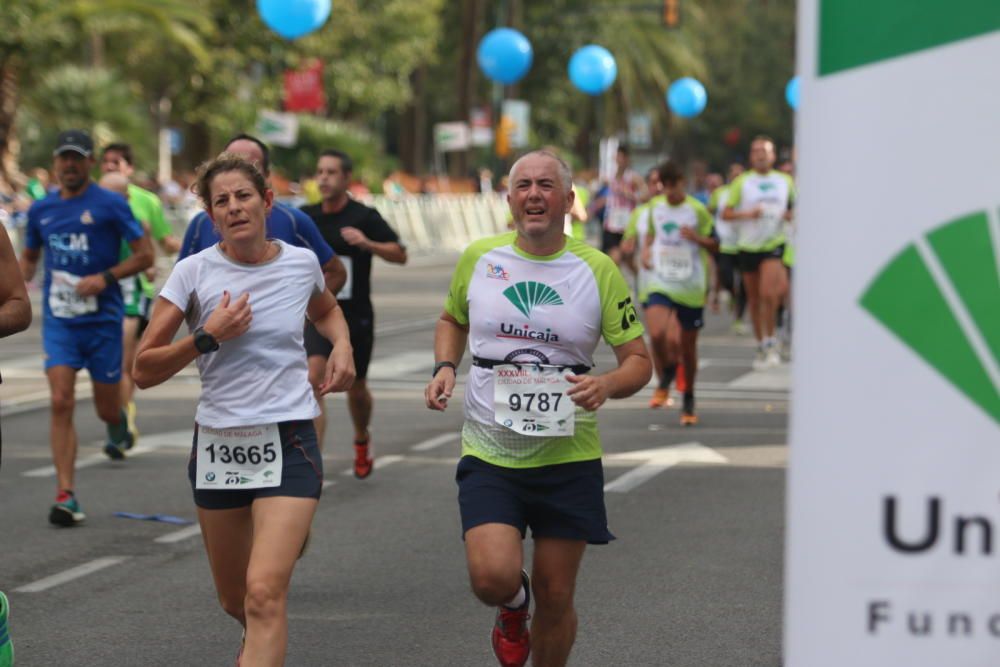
x,y
356,232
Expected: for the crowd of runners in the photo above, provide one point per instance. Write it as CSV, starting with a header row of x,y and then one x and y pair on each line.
x,y
278,312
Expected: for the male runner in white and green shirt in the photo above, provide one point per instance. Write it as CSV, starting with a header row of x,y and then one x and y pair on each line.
x,y
676,253
533,305
760,202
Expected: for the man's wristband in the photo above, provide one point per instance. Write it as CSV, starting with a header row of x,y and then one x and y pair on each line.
x,y
442,364
109,278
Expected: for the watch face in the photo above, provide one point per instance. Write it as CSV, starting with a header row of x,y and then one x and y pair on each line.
x,y
204,342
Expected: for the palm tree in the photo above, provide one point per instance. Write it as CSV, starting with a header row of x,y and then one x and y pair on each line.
x,y
41,34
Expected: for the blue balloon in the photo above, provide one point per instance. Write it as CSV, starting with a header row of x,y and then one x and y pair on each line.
x,y
294,18
687,97
504,55
593,69
792,93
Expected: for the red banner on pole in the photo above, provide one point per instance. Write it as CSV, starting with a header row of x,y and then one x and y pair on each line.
x,y
304,88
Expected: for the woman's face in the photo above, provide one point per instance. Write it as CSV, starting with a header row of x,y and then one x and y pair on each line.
x,y
237,209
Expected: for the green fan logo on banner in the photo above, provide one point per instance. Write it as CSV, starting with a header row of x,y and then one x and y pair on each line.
x,y
941,296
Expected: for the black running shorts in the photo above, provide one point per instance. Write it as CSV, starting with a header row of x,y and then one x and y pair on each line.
x,y
362,330
750,261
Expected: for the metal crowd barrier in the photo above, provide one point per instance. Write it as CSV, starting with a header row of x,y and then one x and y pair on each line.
x,y
444,221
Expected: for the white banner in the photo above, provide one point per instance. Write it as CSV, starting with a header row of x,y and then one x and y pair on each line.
x,y
277,128
451,136
893,555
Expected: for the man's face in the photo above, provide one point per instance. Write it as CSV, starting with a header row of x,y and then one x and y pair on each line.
x,y
621,159
331,177
249,151
762,155
114,162
72,170
676,191
538,198
653,182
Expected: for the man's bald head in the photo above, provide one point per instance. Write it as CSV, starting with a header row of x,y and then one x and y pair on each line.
x,y
565,173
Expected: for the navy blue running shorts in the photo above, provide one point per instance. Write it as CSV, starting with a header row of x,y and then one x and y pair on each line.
x,y
691,319
301,472
562,501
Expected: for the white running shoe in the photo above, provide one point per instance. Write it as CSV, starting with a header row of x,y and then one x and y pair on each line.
x,y
772,357
760,361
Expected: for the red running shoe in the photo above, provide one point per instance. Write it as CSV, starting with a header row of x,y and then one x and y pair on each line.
x,y
511,638
363,462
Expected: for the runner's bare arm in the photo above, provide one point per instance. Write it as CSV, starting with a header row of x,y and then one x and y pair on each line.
x,y
633,373
160,357
449,345
328,319
15,308
334,274
29,262
140,259
390,251
730,214
647,252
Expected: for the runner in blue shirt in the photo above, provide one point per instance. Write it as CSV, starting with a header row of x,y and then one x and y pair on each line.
x,y
81,228
283,222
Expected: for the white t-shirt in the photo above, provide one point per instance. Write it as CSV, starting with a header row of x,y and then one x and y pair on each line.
x,y
262,376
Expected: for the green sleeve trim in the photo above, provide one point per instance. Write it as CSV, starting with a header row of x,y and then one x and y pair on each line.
x,y
457,303
632,228
736,191
619,321
705,219
792,194
713,199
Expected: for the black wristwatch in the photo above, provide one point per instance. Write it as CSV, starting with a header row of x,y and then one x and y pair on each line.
x,y
204,342
442,364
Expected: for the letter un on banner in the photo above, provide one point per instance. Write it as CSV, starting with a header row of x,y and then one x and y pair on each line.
x,y
893,554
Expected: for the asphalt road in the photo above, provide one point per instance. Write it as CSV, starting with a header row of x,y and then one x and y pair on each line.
x,y
694,579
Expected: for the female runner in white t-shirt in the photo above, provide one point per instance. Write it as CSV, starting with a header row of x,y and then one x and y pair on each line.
x,y
255,468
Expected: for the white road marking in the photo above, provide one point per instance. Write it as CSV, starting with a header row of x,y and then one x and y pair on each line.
x,y
436,441
404,363
69,575
147,444
778,378
179,535
655,461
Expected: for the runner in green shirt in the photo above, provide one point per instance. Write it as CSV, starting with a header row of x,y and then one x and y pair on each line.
x,y
533,305
676,252
760,203
139,291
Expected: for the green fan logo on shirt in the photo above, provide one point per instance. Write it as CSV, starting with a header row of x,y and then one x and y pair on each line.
x,y
669,227
764,186
528,294
941,296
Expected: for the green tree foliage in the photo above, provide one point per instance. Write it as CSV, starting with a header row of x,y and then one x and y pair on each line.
x,y
93,99
392,68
